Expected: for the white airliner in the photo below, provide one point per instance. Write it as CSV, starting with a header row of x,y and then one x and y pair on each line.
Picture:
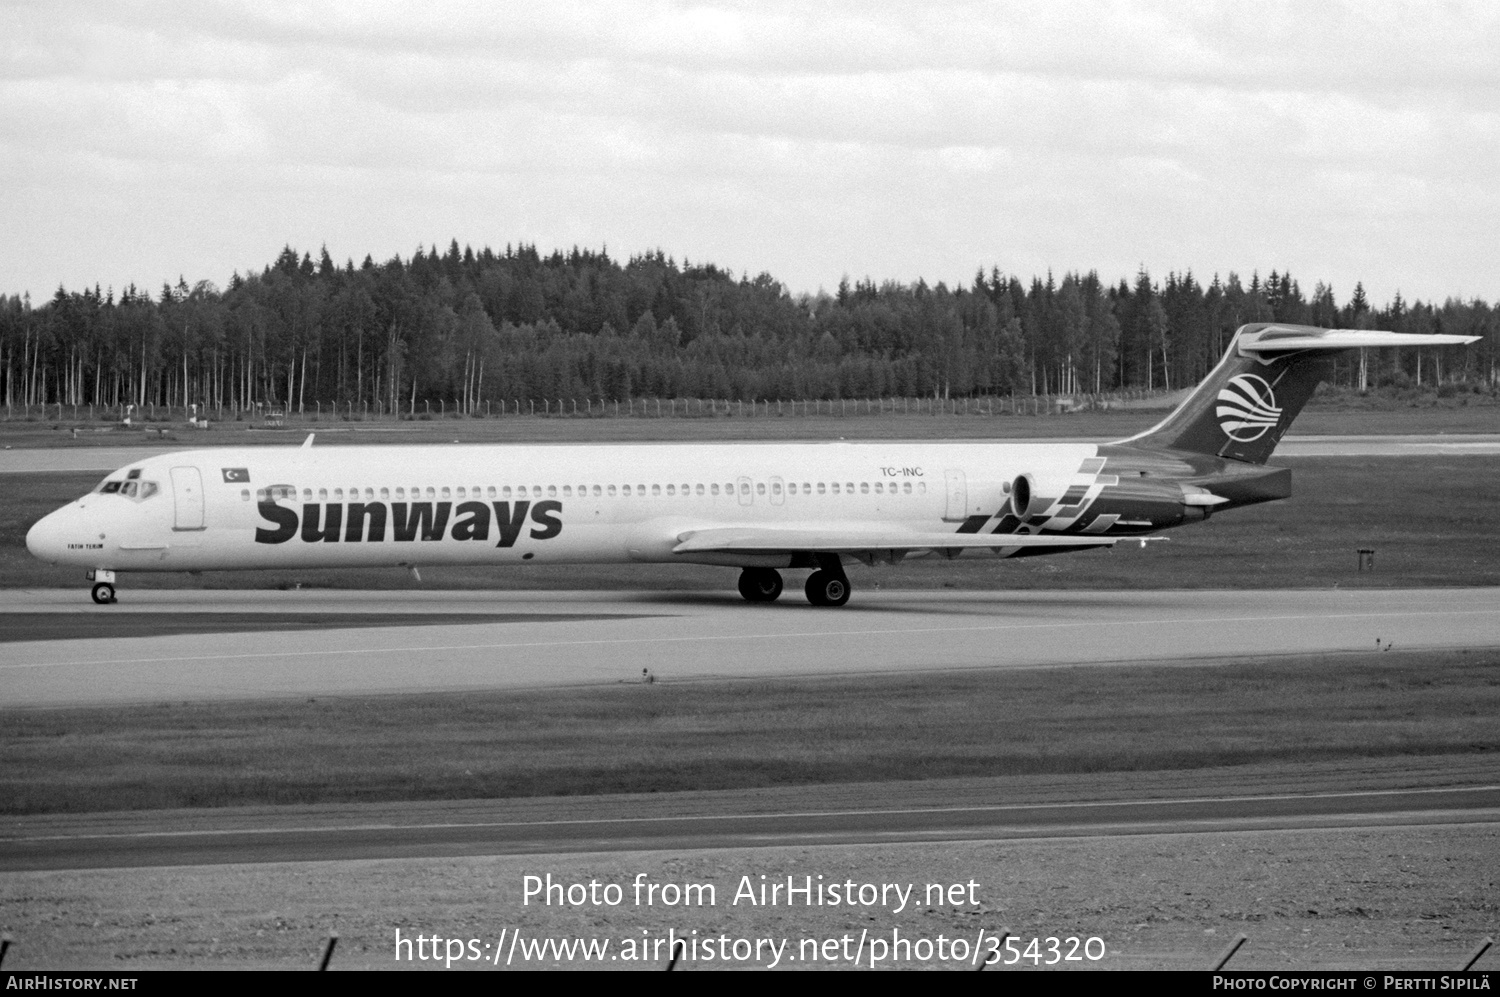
x,y
759,507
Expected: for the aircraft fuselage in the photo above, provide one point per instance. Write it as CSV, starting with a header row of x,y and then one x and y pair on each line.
x,y
263,507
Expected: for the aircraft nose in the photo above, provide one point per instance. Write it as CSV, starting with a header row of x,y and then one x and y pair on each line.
x,y
46,540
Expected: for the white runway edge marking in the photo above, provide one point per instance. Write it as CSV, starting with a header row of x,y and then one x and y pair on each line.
x,y
615,641
585,822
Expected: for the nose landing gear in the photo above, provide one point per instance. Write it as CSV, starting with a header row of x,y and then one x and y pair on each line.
x,y
104,586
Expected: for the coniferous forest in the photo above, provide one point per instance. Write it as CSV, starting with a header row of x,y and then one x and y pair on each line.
x,y
474,330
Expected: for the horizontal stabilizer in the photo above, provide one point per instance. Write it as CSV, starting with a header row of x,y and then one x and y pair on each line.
x,y
1288,338
835,541
1247,403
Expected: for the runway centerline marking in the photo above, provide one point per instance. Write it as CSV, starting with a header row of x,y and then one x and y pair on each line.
x,y
621,641
584,822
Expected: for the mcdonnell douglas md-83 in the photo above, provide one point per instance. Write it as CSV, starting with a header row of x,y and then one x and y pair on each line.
x,y
759,507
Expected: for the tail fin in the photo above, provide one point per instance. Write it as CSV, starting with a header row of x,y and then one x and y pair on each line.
x,y
1244,407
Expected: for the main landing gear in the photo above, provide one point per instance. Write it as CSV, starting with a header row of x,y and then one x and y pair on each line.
x,y
825,587
760,584
104,586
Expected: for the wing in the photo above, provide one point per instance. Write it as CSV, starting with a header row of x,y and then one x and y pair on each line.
x,y
753,540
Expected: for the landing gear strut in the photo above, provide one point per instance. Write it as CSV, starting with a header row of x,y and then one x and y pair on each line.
x,y
827,587
760,584
104,586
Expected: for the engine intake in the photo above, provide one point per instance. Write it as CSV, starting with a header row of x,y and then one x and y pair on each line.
x,y
1020,496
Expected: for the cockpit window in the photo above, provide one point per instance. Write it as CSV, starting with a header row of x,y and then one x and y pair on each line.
x,y
138,491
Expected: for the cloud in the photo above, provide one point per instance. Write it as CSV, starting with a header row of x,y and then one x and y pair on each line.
x,y
896,140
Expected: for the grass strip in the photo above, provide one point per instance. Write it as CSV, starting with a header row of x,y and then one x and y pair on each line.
x,y
669,737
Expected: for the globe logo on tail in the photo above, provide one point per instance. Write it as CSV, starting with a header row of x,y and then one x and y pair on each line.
x,y
1247,408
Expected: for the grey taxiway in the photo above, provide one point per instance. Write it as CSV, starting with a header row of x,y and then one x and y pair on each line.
x,y
204,645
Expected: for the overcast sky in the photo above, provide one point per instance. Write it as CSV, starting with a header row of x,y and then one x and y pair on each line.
x,y
143,141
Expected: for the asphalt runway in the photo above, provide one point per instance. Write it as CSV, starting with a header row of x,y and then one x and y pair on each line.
x,y
148,844
549,639
103,459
